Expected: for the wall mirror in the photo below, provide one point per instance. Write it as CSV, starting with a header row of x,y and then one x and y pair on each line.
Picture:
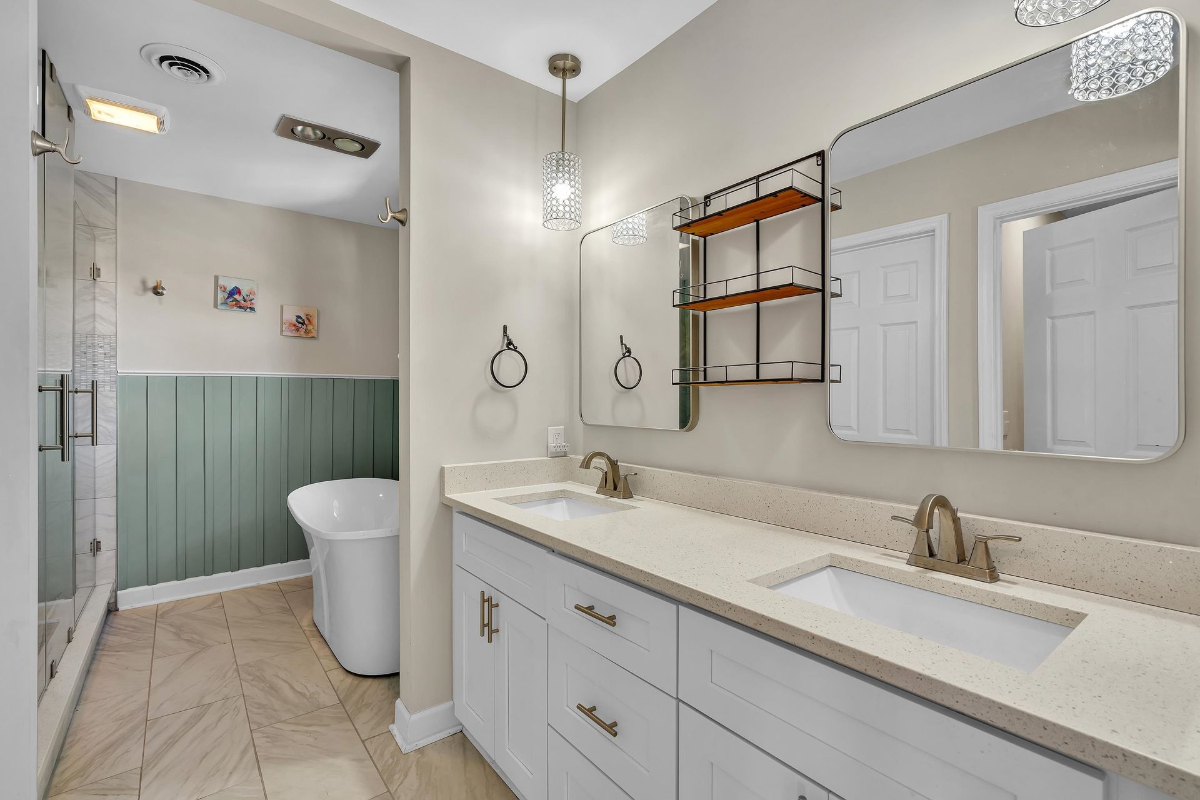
x,y
630,335
1009,252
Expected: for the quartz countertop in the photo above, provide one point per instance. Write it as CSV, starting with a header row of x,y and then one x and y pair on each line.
x,y
1122,691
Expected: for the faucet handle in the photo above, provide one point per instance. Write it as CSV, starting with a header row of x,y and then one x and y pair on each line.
x,y
981,552
905,520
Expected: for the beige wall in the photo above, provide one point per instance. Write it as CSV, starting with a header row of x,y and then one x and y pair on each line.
x,y
1087,141
725,97
474,257
347,270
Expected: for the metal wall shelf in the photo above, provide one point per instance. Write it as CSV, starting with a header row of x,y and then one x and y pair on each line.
x,y
765,372
744,290
768,196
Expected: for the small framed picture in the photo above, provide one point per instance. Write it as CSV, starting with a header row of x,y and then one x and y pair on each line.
x,y
298,321
237,294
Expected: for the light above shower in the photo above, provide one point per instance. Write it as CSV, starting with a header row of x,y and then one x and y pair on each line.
x,y
128,112
325,136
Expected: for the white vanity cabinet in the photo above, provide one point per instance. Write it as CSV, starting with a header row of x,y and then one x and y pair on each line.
x,y
500,653
854,735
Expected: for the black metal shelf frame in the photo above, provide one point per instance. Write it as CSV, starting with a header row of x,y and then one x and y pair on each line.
x,y
791,175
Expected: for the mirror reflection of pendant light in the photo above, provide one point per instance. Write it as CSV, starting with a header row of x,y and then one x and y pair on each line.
x,y
630,231
1040,13
1123,58
562,186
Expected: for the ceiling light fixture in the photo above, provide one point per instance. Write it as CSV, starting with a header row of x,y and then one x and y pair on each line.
x,y
1123,58
1040,13
128,112
630,231
326,137
562,184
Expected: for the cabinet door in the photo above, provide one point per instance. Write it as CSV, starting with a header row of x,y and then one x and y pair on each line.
x,y
474,659
716,765
573,777
520,658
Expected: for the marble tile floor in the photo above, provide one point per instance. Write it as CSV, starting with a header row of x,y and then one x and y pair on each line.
x,y
236,696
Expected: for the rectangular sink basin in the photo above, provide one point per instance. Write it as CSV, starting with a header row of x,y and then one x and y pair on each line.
x,y
995,634
565,508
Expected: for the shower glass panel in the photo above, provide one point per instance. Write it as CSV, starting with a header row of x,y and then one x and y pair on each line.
x,y
56,315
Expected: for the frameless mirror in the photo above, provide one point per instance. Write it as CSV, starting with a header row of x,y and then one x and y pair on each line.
x,y
630,334
1009,252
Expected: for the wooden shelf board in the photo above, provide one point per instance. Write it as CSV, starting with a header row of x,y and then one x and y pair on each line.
x,y
769,205
748,298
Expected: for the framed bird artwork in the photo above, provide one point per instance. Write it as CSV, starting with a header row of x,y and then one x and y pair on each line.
x,y
237,294
298,321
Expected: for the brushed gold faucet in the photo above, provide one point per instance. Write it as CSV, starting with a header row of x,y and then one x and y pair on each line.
x,y
950,555
613,483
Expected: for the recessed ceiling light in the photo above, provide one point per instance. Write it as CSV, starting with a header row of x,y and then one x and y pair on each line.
x,y
347,144
128,112
308,133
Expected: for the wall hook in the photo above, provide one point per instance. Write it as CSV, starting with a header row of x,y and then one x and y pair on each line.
x,y
158,290
509,344
40,146
400,216
626,352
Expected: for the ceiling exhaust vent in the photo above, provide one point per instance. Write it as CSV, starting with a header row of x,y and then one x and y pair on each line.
x,y
183,64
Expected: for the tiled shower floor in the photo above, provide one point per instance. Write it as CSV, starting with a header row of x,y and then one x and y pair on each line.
x,y
236,696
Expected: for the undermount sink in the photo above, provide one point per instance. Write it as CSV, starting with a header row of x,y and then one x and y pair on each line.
x,y
565,508
995,634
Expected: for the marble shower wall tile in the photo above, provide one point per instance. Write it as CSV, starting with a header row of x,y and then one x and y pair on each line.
x,y
95,308
98,247
95,200
85,526
106,522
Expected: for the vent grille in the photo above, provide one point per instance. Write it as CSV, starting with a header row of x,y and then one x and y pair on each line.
x,y
183,64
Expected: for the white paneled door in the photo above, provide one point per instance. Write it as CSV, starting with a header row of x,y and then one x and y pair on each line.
x,y
885,335
1101,331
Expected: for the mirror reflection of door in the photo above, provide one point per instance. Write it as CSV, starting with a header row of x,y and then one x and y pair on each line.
x,y
1100,320
887,333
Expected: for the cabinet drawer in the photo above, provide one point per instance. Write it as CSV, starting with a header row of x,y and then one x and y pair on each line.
x,y
511,564
640,757
716,765
854,735
573,777
643,636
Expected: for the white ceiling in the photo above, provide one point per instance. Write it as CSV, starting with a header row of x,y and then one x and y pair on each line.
x,y
1030,90
221,140
519,36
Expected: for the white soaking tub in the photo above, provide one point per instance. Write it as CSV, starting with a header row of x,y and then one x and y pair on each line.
x,y
353,532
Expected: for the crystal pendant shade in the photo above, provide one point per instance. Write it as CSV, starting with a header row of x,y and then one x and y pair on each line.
x,y
562,191
1123,58
1039,13
630,231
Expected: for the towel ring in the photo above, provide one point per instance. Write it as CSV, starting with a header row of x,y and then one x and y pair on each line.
x,y
509,344
626,352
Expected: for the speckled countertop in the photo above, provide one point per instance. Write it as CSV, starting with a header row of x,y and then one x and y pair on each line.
x,y
1122,692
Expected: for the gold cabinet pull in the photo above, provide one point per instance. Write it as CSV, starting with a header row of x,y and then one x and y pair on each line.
x,y
610,620
483,623
490,630
590,712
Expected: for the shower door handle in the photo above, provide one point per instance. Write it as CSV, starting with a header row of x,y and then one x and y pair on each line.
x,y
63,420
94,392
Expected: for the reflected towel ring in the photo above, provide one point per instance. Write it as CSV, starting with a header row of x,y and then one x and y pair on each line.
x,y
626,352
509,344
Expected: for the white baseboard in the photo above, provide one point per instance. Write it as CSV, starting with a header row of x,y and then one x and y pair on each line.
x,y
414,731
210,584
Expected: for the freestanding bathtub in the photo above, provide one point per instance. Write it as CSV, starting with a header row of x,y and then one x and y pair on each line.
x,y
353,534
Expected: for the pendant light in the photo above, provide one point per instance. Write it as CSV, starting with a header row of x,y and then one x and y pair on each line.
x,y
562,187
1040,13
1123,58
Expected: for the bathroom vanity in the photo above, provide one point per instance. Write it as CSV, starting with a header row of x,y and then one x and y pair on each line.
x,y
643,649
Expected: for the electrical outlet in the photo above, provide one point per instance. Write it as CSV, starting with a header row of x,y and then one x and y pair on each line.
x,y
556,442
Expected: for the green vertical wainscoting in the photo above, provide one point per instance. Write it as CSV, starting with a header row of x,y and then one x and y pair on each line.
x,y
205,465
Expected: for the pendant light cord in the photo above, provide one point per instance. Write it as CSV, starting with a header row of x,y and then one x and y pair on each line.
x,y
564,111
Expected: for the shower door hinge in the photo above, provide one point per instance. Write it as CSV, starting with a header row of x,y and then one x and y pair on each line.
x,y
94,272
95,547
70,635
53,669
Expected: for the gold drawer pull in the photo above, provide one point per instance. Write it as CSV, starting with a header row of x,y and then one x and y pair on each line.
x,y
483,620
610,620
609,727
491,618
